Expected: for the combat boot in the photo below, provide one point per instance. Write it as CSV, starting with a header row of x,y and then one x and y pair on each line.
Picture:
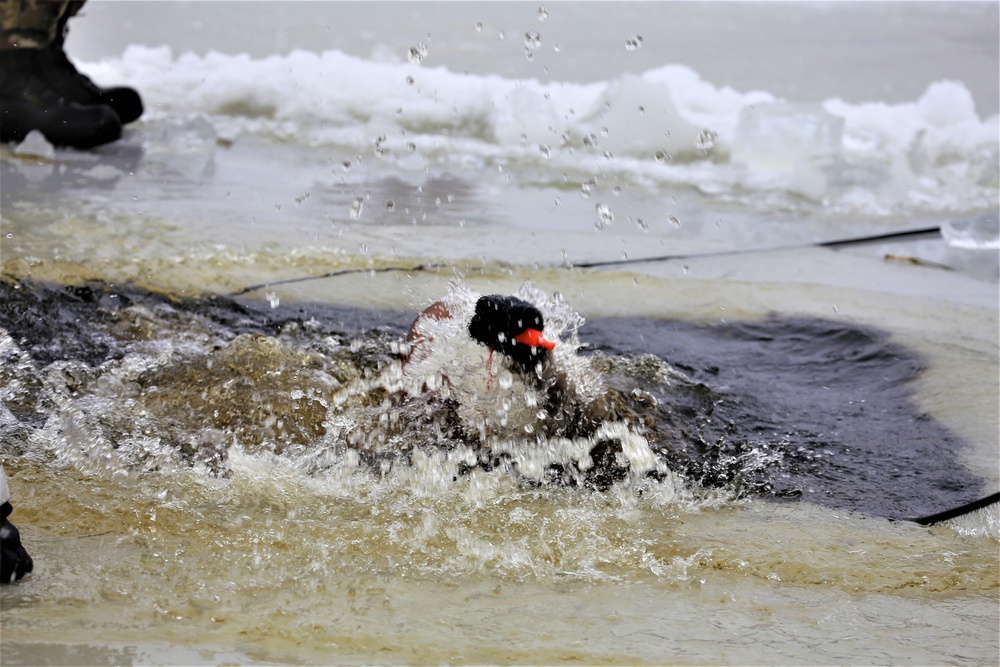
x,y
63,77
28,103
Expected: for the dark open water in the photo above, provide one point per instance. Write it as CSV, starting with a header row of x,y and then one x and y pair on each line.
x,y
800,409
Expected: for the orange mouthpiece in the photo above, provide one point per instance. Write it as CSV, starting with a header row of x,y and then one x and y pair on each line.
x,y
534,338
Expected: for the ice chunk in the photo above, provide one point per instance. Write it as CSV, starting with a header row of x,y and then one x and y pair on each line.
x,y
979,233
644,119
102,172
777,137
984,166
808,180
191,135
820,178
946,103
35,145
527,117
181,146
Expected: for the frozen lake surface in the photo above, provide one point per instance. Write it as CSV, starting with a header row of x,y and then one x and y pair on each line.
x,y
212,451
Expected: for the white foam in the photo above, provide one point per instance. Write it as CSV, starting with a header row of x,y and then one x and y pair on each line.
x,y
936,146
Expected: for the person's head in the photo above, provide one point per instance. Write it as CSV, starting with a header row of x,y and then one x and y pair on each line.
x,y
511,326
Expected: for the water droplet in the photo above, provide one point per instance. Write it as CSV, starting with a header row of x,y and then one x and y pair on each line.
x,y
417,54
608,155
479,26
617,191
363,248
545,150
277,208
556,48
604,214
686,268
10,236
272,299
590,139
450,197
346,164
641,224
586,188
661,156
558,201
633,43
542,13
356,207
642,109
624,255
706,139
532,40
501,35
410,146
529,54
604,131
390,205
674,220
399,111
409,80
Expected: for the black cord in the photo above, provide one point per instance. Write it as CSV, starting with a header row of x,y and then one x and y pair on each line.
x,y
332,274
840,243
957,511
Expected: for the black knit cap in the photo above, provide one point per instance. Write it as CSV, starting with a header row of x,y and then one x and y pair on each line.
x,y
499,319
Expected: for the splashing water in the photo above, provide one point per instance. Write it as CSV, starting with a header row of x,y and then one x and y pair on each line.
x,y
605,216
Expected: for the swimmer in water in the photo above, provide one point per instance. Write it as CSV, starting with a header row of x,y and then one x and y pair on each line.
x,y
506,385
506,324
15,562
542,396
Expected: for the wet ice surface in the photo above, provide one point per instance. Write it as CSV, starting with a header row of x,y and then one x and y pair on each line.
x,y
287,211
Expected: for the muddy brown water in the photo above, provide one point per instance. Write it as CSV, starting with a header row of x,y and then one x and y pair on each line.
x,y
796,409
204,480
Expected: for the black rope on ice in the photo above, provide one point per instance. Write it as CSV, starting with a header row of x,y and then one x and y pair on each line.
x,y
333,274
839,243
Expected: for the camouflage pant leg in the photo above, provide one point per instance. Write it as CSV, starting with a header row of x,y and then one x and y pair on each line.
x,y
30,24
